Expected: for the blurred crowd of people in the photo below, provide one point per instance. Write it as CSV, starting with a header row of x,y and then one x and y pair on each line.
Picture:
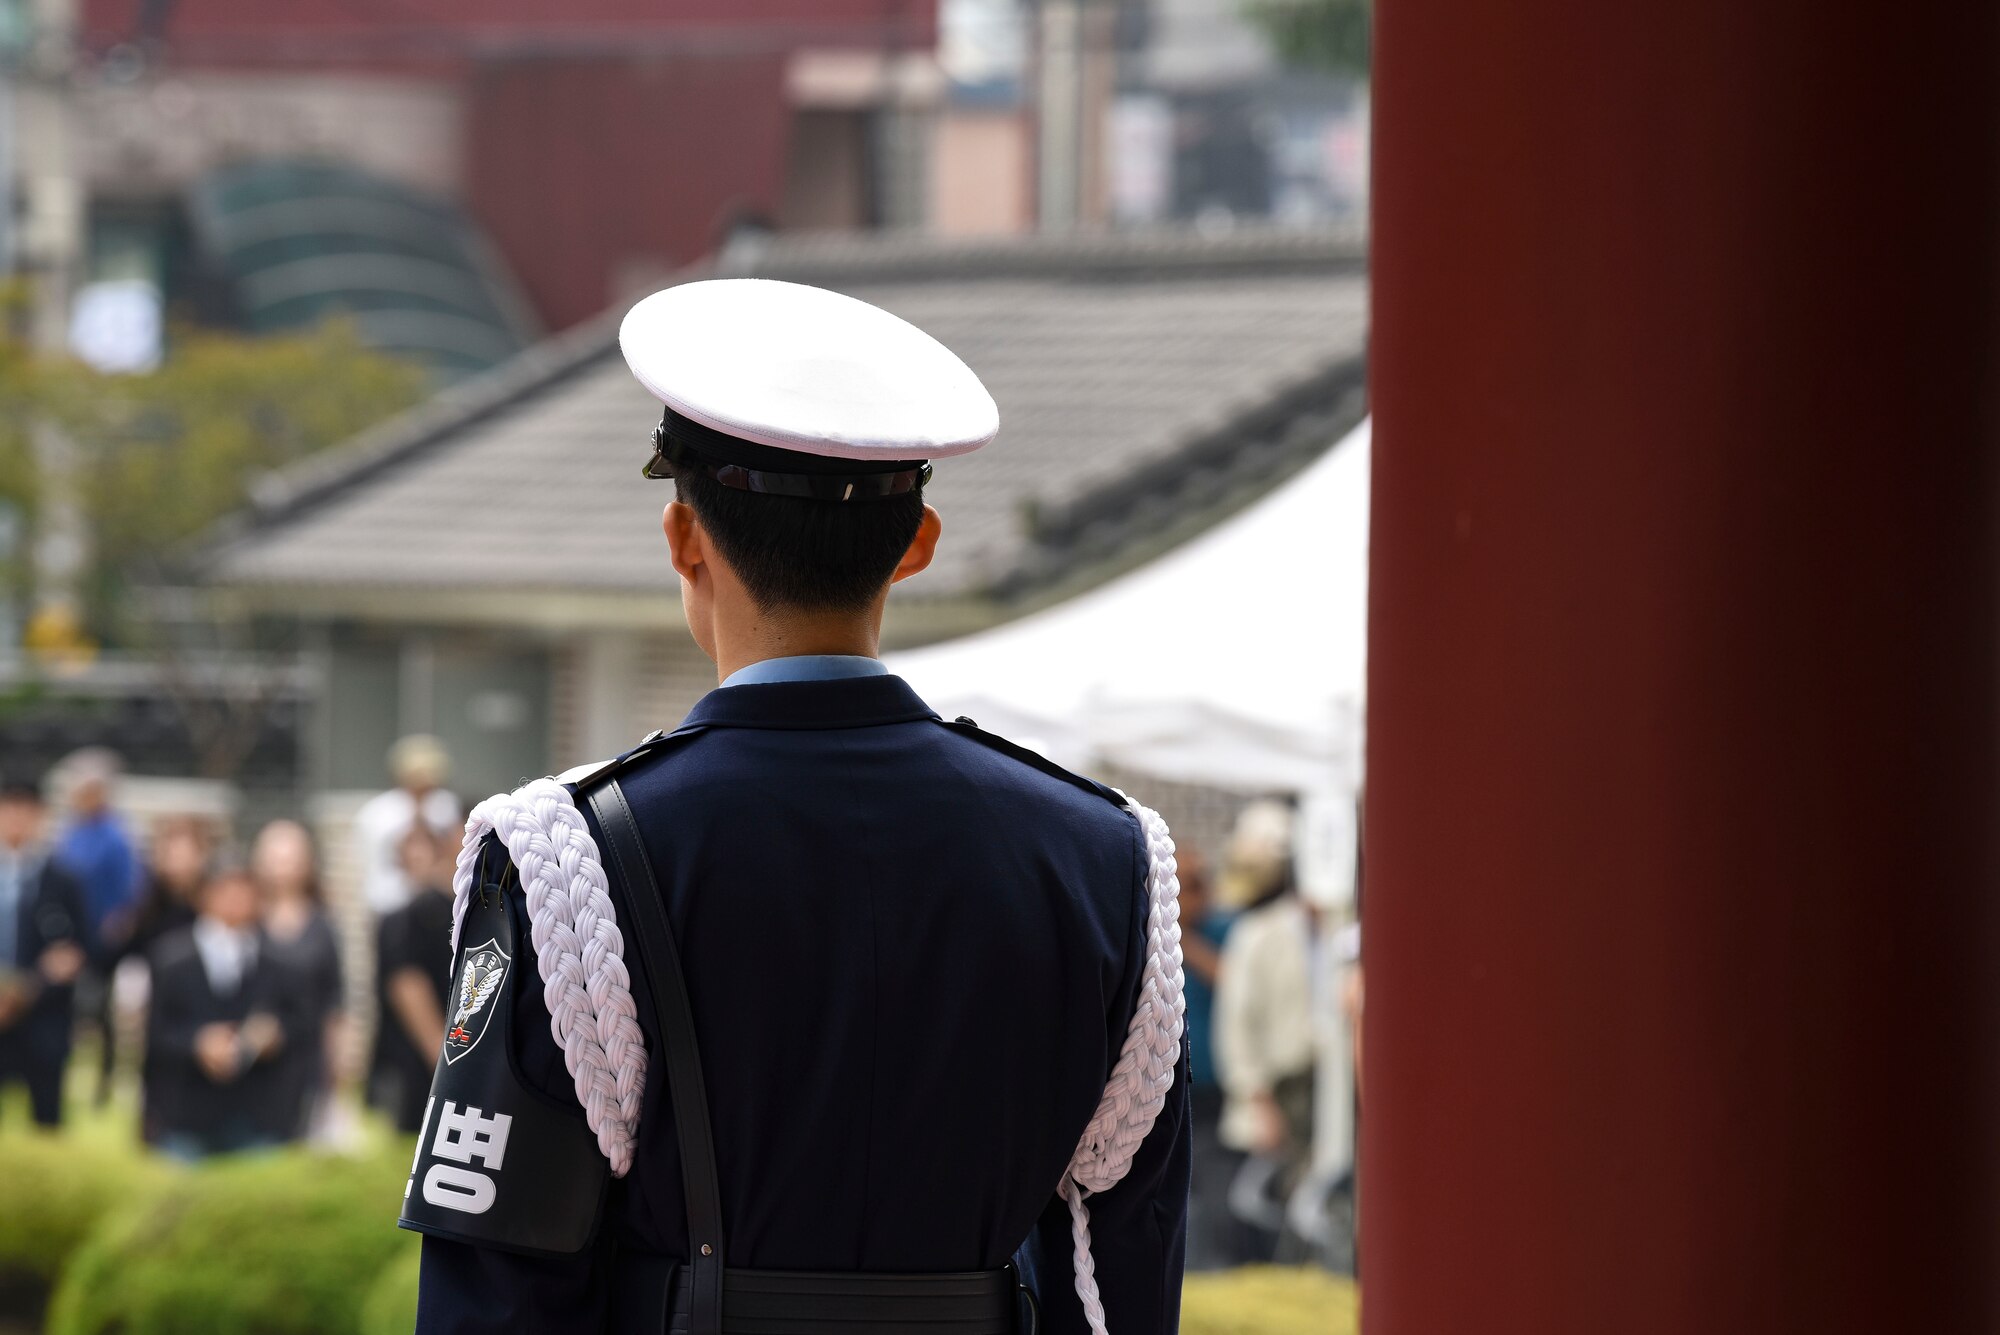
x,y
223,968
1274,994
215,969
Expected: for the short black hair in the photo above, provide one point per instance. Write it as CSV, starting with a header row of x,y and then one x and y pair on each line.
x,y
803,554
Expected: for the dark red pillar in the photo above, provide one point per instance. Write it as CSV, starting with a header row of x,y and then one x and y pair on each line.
x,y
1682,725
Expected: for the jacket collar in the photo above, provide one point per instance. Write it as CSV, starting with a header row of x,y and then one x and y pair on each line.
x,y
850,702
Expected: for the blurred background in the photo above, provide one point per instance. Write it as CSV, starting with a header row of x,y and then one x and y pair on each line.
x,y
317,525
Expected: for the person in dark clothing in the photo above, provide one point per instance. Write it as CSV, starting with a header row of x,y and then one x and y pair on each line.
x,y
44,939
220,1015
413,974
176,864
1216,1239
305,955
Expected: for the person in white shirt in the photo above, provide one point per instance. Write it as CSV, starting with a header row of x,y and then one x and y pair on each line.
x,y
221,1012
420,765
1265,1044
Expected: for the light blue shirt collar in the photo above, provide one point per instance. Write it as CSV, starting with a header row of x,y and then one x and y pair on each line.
x,y
807,667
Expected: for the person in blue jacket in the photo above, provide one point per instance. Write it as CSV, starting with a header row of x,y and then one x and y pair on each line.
x,y
818,1012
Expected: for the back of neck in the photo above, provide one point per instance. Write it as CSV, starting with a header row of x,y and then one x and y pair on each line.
x,y
787,636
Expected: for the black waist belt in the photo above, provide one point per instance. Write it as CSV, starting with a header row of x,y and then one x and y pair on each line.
x,y
705,1297
778,1302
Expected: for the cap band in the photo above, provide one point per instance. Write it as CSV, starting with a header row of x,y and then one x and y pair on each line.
x,y
680,444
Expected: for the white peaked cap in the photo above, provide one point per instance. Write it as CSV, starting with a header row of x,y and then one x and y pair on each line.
x,y
804,369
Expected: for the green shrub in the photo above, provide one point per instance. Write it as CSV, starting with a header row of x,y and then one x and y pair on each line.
x,y
298,1244
53,1192
280,1244
391,1306
1269,1300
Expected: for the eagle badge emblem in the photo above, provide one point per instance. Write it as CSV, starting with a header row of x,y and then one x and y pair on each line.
x,y
485,968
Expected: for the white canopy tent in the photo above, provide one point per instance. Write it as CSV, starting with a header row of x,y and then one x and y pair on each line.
x,y
1236,659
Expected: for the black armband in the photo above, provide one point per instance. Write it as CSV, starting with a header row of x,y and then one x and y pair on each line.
x,y
499,1163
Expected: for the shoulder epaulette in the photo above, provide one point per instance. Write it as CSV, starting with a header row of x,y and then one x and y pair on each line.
x,y
588,776
967,728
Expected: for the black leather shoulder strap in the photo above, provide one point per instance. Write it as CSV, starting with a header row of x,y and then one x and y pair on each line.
x,y
675,1019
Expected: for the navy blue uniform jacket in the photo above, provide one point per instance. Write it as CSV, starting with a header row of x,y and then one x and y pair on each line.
x,y
912,959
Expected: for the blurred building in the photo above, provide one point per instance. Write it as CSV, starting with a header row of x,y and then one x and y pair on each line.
x,y
461,179
460,176
1208,123
489,568
1063,113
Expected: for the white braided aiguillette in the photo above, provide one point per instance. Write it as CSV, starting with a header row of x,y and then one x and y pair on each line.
x,y
578,949
1138,1086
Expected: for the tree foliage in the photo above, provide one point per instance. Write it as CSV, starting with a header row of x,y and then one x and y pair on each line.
x,y
1327,35
162,456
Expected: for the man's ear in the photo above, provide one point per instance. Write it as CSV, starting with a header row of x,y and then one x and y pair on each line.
x,y
922,547
685,540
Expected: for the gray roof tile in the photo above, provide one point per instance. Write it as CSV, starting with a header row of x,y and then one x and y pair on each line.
x,y
1097,377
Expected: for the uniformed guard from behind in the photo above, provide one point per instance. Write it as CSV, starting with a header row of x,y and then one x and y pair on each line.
x,y
817,1012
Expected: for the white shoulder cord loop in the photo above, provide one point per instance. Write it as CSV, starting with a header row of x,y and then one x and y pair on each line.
x,y
578,950
1138,1086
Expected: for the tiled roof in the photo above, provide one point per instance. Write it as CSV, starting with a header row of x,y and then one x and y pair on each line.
x,y
1141,381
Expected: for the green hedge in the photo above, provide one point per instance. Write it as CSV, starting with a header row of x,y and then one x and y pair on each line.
x,y
53,1193
1269,1300
391,1305
293,1243
280,1244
